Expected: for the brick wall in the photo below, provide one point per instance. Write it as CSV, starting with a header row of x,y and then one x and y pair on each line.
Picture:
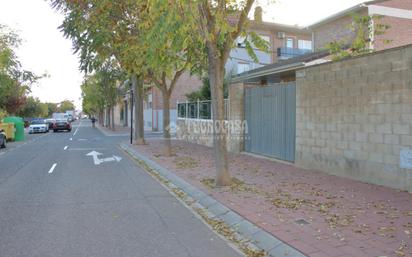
x,y
338,30
355,116
400,33
402,4
186,84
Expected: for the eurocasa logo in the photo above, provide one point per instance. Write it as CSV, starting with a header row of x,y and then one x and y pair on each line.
x,y
207,129
232,127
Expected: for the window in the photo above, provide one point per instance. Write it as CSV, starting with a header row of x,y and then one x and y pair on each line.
x,y
149,101
240,41
289,42
305,44
242,67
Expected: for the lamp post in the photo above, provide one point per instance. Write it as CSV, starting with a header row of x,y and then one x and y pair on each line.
x,y
131,116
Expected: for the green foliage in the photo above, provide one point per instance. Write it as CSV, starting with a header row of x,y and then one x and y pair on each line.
x,y
3,114
203,93
66,105
337,50
168,41
51,108
366,28
99,90
15,82
34,108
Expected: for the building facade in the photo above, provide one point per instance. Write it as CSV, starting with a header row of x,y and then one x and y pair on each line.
x,y
397,14
285,42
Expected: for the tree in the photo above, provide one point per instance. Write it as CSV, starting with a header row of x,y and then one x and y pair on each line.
x,y
171,50
102,29
51,108
93,101
220,24
203,93
15,82
66,105
34,108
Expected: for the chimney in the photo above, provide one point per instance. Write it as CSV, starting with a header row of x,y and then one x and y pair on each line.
x,y
258,14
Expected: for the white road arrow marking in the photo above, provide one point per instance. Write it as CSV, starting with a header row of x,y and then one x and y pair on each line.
x,y
98,161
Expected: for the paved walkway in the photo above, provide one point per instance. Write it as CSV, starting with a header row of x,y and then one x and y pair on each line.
x,y
319,214
125,131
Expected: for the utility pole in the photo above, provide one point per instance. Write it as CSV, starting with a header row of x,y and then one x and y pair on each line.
x,y
131,116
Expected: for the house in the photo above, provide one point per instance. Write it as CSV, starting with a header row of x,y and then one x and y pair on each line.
x,y
350,118
285,42
397,14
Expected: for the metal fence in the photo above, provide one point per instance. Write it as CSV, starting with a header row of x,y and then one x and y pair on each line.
x,y
198,110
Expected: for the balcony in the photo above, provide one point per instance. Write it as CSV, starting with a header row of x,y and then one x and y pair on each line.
x,y
286,52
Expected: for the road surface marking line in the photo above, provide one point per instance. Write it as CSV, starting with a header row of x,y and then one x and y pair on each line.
x,y
65,148
52,168
71,139
75,132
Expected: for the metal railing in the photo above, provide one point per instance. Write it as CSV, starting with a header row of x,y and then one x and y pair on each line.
x,y
287,52
198,110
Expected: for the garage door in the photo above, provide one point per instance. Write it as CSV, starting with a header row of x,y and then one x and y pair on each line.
x,y
271,118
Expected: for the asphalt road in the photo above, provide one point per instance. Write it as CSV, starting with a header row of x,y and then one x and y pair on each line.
x,y
55,201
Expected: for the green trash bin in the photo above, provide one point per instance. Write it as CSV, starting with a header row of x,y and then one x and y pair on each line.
x,y
18,125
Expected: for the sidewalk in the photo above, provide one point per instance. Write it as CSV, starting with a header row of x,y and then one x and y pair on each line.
x,y
119,130
316,213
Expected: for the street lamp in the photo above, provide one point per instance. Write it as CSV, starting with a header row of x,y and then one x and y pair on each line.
x,y
131,116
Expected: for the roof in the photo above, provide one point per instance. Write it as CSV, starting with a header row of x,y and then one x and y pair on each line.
x,y
343,13
281,66
278,27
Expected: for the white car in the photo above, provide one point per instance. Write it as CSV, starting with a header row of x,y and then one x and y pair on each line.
x,y
38,126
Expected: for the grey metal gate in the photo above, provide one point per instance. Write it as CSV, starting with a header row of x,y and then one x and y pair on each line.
x,y
271,118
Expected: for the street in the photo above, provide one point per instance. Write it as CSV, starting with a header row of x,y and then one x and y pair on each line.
x,y
77,194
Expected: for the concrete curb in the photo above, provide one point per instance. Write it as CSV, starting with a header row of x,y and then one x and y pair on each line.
x,y
247,230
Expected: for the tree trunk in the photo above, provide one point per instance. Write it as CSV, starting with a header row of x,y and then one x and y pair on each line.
x,y
107,117
167,151
112,116
137,84
216,76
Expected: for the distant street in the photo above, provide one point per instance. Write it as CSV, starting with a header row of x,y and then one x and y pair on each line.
x,y
77,194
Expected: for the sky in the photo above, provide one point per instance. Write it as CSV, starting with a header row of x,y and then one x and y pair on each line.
x,y
44,49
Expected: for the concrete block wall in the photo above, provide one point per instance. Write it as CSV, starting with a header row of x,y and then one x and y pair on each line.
x,y
355,116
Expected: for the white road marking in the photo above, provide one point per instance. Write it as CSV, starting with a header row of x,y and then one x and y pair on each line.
x,y
52,168
71,139
75,132
85,149
98,161
65,148
82,139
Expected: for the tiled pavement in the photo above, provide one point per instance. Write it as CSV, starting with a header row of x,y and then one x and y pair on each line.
x,y
342,217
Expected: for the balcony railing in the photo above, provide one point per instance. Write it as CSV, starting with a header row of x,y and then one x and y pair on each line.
x,y
286,52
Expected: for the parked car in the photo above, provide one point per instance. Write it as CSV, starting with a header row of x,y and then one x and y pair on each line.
x,y
50,122
38,126
3,139
62,124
